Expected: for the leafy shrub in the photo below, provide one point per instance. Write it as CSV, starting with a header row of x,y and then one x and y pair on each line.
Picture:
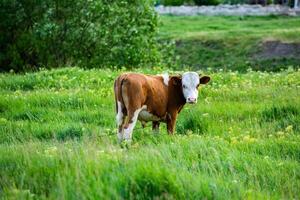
x,y
261,2
93,33
283,2
206,2
233,2
168,55
172,2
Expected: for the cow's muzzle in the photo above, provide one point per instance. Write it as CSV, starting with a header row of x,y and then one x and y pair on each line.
x,y
191,100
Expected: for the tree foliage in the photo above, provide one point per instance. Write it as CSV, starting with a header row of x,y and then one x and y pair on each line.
x,y
91,33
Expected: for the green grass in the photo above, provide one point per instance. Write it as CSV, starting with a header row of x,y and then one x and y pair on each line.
x,y
58,140
230,42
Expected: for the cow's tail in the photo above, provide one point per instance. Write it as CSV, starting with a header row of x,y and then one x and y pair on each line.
x,y
118,91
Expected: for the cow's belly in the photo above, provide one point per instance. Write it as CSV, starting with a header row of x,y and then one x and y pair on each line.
x,y
146,116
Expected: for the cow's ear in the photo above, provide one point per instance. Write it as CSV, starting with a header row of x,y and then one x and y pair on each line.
x,y
204,79
176,80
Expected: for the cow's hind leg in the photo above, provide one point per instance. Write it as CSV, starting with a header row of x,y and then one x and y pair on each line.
x,y
130,123
120,119
132,99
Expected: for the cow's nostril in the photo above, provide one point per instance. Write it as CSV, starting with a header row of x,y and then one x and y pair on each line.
x,y
191,99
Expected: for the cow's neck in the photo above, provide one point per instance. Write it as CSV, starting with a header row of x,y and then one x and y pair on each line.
x,y
176,99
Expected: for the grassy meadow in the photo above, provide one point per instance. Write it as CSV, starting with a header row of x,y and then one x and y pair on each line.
x,y
240,141
233,42
57,140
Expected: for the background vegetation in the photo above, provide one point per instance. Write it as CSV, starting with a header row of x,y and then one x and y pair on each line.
x,y
86,33
216,2
233,42
101,34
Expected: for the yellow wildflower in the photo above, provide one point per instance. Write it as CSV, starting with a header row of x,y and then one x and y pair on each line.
x,y
289,128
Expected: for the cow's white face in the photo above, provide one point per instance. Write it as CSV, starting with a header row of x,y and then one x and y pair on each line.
x,y
190,83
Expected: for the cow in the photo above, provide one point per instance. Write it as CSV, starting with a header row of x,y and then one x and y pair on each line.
x,y
156,98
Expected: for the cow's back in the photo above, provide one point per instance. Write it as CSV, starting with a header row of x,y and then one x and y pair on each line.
x,y
137,90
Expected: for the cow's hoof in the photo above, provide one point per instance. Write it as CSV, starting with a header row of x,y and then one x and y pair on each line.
x,y
155,133
120,140
126,144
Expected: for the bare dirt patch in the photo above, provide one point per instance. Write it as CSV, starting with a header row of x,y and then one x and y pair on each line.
x,y
278,49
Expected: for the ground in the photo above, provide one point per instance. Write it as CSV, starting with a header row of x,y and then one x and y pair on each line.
x,y
240,141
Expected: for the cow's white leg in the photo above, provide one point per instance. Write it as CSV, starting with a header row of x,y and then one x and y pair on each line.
x,y
120,121
131,124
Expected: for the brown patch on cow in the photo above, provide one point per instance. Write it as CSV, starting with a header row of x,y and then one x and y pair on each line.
x,y
278,49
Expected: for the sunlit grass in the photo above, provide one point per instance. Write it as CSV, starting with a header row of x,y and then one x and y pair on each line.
x,y
230,42
58,141
224,27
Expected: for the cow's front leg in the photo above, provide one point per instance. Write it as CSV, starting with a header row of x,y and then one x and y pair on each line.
x,y
171,122
130,123
143,124
155,127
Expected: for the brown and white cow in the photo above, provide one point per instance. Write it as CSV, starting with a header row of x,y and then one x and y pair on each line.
x,y
156,98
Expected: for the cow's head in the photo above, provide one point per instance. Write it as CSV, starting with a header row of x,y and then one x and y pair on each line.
x,y
190,82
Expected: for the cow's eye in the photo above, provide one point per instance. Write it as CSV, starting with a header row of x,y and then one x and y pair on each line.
x,y
184,86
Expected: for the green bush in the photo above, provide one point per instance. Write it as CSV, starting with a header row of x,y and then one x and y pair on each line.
x,y
93,33
172,2
206,2
233,2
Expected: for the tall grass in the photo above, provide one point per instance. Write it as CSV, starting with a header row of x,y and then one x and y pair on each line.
x,y
57,140
232,42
